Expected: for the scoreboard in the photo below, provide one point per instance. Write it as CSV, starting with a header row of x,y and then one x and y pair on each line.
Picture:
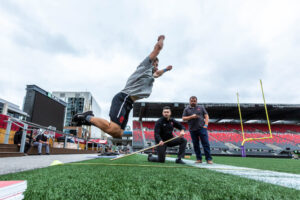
x,y
43,108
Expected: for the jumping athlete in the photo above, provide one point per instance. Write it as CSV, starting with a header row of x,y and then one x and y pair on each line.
x,y
139,85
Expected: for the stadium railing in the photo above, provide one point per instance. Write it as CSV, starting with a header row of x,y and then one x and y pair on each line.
x,y
11,125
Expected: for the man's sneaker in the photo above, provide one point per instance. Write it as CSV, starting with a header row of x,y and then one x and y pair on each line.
x,y
80,119
209,162
149,156
198,161
179,161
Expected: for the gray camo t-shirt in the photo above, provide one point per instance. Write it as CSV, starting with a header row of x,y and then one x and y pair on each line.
x,y
140,83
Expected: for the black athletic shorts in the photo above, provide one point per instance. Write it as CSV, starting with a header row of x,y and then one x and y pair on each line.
x,y
120,108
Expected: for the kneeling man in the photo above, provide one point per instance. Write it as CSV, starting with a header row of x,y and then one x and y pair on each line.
x,y
164,131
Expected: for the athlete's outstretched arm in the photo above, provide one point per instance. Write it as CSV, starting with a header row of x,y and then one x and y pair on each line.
x,y
158,73
158,46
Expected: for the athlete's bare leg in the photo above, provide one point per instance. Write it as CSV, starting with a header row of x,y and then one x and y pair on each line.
x,y
110,128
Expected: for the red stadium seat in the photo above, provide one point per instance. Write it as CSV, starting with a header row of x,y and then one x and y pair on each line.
x,y
231,133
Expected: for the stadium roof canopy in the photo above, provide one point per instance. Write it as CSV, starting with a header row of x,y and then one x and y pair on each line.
x,y
222,111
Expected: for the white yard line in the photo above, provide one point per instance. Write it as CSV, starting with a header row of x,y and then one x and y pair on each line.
x,y
278,178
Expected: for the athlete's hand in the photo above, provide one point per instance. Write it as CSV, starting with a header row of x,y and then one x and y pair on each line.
x,y
194,116
161,37
169,67
161,143
182,133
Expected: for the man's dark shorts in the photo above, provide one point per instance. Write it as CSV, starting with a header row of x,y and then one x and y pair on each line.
x,y
120,108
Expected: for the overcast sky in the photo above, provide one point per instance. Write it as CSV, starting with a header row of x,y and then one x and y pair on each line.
x,y
216,48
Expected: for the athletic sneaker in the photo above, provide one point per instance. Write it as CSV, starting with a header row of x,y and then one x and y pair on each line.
x,y
179,161
80,119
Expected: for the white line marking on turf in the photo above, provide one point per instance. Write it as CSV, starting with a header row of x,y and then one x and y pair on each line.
x,y
278,178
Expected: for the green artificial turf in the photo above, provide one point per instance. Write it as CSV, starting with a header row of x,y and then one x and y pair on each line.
x,y
273,164
92,181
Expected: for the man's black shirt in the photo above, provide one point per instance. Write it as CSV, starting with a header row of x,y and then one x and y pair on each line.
x,y
18,137
164,129
41,137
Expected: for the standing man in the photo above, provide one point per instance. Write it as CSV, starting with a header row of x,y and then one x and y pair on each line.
x,y
42,141
138,86
197,118
164,131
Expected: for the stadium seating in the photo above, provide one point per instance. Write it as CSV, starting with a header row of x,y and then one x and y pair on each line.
x,y
284,136
137,134
149,125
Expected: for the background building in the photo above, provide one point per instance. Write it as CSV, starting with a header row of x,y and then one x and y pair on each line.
x,y
13,110
78,102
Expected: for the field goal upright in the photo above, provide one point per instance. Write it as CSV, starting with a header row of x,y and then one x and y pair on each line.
x,y
242,128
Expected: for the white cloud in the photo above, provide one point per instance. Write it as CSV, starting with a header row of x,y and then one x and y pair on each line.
x,y
216,48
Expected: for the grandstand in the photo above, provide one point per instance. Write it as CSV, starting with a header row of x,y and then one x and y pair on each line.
x,y
60,142
224,129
